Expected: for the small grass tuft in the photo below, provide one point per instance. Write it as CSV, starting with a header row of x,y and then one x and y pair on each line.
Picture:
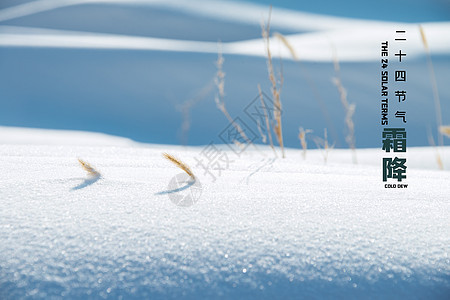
x,y
302,137
179,164
323,144
88,168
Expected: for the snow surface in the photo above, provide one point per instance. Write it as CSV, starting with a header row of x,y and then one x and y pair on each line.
x,y
266,228
125,67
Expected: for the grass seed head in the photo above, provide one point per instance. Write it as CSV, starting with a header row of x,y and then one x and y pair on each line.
x,y
445,130
88,168
179,164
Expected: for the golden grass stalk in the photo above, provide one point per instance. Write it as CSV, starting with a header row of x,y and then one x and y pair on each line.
x,y
266,116
276,89
437,102
179,164
287,44
88,168
302,137
349,108
445,130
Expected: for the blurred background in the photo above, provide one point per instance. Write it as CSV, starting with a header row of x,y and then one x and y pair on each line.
x,y
145,69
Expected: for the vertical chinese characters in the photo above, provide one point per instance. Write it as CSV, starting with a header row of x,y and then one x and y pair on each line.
x,y
394,139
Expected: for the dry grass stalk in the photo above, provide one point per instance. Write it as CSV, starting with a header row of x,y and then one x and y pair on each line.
x,y
266,116
437,102
186,107
220,79
349,108
302,136
219,98
445,130
88,168
309,81
179,164
276,89
323,144
263,136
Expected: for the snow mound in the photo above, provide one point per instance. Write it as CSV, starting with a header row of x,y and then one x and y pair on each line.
x,y
266,228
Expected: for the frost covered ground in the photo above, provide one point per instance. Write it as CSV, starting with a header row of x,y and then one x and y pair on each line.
x,y
266,228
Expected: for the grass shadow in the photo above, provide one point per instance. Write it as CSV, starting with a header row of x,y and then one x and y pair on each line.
x,y
87,182
178,189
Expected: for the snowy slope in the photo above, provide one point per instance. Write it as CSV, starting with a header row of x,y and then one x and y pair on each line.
x,y
125,67
266,228
164,26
